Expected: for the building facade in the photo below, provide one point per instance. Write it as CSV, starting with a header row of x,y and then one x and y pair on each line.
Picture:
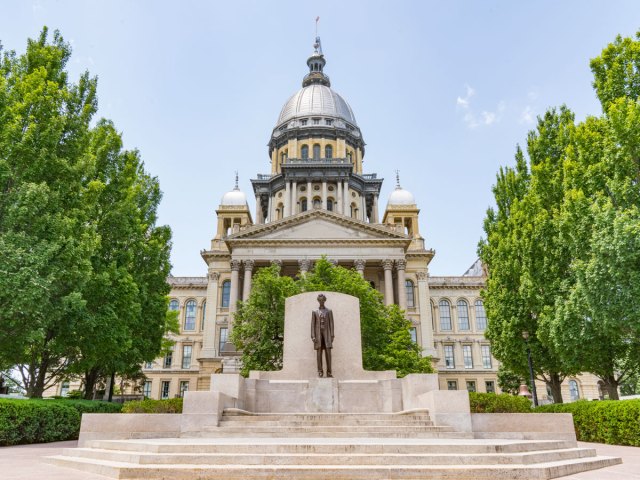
x,y
317,200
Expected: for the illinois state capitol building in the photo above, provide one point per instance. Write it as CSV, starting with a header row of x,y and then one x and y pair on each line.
x,y
317,200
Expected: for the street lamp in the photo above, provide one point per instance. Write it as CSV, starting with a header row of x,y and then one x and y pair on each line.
x,y
525,335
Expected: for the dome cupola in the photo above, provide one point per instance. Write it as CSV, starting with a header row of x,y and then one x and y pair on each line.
x,y
400,196
234,197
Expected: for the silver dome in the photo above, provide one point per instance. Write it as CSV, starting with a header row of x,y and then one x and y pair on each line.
x,y
316,100
234,198
400,196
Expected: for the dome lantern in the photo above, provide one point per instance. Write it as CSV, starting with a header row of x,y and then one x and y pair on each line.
x,y
400,196
235,197
316,63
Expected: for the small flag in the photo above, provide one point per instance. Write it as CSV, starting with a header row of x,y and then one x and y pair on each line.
x,y
317,18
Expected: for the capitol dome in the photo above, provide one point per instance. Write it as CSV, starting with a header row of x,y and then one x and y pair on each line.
x,y
316,100
400,196
235,197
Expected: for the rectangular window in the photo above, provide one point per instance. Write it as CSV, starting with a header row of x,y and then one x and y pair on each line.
x,y
186,356
414,334
411,301
164,393
486,356
471,386
445,315
449,360
467,356
463,315
190,315
184,387
328,121
222,338
452,385
168,359
64,389
490,386
148,364
316,121
303,122
147,389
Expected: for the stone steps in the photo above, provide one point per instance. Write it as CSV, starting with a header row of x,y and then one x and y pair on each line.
x,y
259,458
123,470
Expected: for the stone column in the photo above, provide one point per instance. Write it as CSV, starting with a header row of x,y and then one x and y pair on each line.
x,y
233,294
294,197
426,314
246,288
209,333
360,263
347,200
309,195
258,210
402,291
304,266
363,199
324,194
374,210
287,199
338,207
387,265
270,208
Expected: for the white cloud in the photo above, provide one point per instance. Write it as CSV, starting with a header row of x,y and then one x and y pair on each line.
x,y
474,119
528,115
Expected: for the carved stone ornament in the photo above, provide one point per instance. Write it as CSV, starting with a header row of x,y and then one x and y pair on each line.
x,y
235,265
359,263
421,276
214,276
304,265
333,262
248,265
401,264
387,264
277,262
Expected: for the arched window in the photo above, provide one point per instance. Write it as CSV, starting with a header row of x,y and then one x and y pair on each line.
x,y
316,151
445,315
304,152
330,204
354,211
411,302
204,312
481,316
574,392
463,315
226,293
317,203
328,151
174,305
190,315
303,205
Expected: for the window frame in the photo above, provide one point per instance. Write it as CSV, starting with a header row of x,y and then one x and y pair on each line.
x,y
222,338
189,356
190,315
449,360
485,351
479,307
409,288
163,395
463,306
225,294
445,303
467,356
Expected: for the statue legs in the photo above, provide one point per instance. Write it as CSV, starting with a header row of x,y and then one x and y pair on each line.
x,y
327,354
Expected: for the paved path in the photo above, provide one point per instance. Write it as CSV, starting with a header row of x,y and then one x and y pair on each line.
x,y
24,462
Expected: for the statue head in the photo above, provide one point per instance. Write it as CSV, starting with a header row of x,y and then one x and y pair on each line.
x,y
322,299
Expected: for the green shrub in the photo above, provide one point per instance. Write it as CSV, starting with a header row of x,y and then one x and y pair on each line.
x,y
616,422
40,421
171,405
503,403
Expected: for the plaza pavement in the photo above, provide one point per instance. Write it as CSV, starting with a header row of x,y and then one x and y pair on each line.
x,y
24,462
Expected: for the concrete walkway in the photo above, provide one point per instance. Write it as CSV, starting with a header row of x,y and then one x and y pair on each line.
x,y
24,462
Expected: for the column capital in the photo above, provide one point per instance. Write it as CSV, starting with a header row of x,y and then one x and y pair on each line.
x,y
333,262
401,264
387,264
421,276
359,264
304,265
213,276
277,262
235,265
248,265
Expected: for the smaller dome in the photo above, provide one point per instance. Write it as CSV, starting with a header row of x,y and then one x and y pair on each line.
x,y
235,197
400,196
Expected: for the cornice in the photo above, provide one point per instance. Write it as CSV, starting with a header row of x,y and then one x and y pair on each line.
x,y
269,242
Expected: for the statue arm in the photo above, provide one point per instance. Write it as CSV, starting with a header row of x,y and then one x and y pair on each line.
x,y
313,326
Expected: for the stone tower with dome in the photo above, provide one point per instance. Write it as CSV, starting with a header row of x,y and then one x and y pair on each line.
x,y
317,200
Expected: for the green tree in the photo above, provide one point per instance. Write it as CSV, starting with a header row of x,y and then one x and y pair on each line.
x,y
46,238
259,322
510,382
524,254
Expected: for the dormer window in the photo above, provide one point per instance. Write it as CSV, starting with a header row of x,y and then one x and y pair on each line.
x,y
316,121
303,123
328,121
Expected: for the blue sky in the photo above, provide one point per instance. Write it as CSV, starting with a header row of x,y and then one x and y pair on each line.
x,y
443,91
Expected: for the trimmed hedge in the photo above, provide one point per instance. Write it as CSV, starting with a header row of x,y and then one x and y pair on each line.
x,y
170,405
503,403
616,422
40,421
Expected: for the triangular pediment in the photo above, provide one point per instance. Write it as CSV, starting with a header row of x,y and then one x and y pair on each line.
x,y
318,225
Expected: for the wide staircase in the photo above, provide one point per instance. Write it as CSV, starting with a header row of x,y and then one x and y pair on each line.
x,y
326,445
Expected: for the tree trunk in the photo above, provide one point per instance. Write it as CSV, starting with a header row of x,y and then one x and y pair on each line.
x,y
555,385
36,382
90,379
611,384
113,379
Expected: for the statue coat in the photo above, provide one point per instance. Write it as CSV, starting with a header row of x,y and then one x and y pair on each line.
x,y
317,334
